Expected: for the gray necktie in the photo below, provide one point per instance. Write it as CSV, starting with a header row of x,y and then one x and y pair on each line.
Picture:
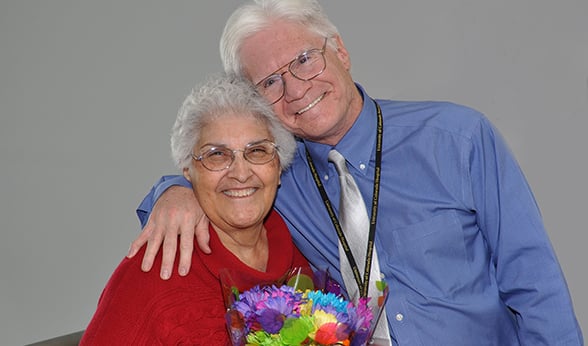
x,y
355,223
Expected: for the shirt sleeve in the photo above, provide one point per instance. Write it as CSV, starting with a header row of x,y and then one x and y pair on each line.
x,y
529,277
165,182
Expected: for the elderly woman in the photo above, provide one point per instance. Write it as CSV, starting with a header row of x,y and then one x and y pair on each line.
x,y
229,144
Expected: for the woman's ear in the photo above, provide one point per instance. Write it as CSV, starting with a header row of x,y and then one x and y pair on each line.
x,y
186,173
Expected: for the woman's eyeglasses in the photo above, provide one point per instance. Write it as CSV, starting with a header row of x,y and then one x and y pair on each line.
x,y
219,158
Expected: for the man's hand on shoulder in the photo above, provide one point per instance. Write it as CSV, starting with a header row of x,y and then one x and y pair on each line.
x,y
176,212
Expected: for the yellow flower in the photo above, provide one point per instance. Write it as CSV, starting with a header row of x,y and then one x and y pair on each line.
x,y
306,308
321,317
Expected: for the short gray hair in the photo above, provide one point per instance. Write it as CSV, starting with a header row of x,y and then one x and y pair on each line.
x,y
257,15
219,95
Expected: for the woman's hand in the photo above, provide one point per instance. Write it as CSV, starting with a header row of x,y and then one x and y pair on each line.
x,y
175,213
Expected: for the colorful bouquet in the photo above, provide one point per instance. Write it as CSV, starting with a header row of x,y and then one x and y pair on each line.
x,y
297,314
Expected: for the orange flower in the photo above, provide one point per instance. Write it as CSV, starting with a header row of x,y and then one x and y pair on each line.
x,y
327,334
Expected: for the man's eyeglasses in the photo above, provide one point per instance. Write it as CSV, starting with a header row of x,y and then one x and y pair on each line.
x,y
305,67
220,158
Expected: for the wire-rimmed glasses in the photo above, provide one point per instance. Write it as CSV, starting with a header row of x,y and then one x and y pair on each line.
x,y
219,158
305,66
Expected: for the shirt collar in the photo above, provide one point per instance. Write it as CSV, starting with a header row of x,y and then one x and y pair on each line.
x,y
358,143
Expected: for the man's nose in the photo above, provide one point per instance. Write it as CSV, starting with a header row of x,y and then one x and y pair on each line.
x,y
294,88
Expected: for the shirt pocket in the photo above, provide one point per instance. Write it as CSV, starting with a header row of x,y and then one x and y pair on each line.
x,y
432,255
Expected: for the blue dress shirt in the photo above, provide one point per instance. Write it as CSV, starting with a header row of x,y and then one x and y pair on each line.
x,y
459,235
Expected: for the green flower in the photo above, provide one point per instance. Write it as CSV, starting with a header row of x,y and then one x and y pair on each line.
x,y
296,330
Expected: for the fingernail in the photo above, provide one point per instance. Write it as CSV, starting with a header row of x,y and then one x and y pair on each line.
x,y
165,274
183,271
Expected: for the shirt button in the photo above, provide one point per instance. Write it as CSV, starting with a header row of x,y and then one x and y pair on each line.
x,y
326,177
362,166
399,317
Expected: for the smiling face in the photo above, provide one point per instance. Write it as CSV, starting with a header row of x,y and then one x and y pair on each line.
x,y
322,109
239,197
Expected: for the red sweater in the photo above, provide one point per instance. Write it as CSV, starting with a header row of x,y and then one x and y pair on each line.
x,y
138,308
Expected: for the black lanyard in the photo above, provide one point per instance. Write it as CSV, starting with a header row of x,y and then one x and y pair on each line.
x,y
362,284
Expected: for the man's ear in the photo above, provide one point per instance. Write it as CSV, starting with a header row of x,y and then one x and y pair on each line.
x,y
342,52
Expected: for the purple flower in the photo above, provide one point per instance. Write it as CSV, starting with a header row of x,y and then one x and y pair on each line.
x,y
271,320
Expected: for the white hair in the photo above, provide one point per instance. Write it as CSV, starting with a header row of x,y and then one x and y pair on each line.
x,y
257,15
218,96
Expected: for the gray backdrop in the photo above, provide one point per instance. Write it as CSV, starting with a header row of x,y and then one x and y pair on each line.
x,y
89,91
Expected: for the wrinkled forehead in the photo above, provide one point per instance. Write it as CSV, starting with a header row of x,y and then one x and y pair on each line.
x,y
268,50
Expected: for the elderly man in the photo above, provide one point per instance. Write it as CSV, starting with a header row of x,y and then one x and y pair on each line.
x,y
453,227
